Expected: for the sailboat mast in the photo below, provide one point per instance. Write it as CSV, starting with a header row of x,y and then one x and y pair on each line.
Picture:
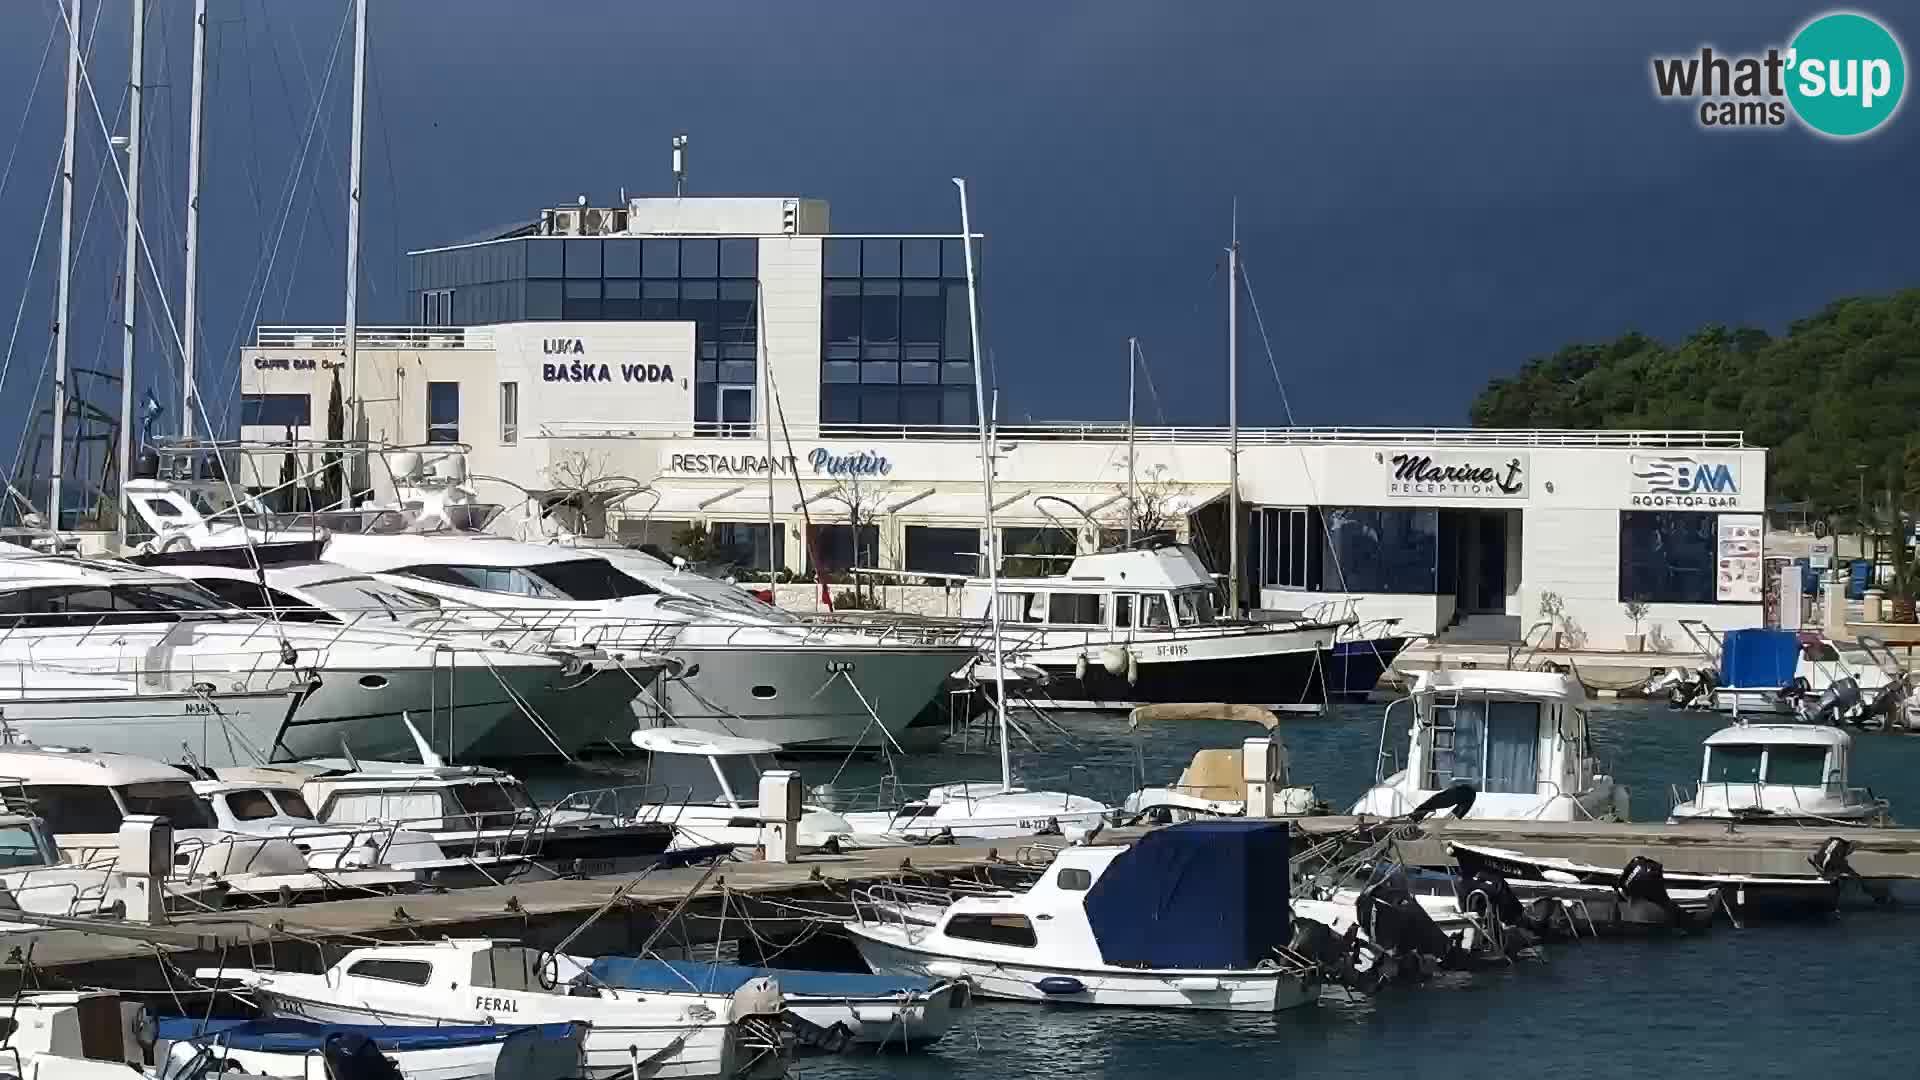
x,y
130,274
1133,500
193,220
62,323
1233,416
992,557
355,410
766,423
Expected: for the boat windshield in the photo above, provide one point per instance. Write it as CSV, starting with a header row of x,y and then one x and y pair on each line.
x,y
1195,606
1797,766
98,605
174,800
493,799
371,596
571,579
1734,763
21,846
742,774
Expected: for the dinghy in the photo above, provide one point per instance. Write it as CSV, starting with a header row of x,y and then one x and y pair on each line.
x,y
304,1050
1188,917
676,1036
1743,894
874,1010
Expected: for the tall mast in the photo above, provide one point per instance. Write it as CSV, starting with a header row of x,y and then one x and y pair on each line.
x,y
355,410
66,264
130,274
992,558
1233,416
193,219
1133,504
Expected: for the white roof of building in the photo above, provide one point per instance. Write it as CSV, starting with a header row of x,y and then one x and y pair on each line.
x,y
1780,735
1555,685
84,768
687,741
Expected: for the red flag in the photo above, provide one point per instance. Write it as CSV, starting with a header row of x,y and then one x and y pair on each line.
x,y
826,597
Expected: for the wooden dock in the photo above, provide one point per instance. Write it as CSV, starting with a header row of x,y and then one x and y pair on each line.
x,y
543,913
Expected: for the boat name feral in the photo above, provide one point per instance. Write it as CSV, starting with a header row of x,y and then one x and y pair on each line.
x,y
495,1004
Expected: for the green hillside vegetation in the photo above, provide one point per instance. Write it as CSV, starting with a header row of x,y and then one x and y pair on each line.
x,y
1838,390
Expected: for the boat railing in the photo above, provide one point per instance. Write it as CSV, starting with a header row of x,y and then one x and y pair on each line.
x,y
77,896
1388,761
625,803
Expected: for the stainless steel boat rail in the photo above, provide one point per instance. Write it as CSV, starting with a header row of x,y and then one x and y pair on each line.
x,y
624,803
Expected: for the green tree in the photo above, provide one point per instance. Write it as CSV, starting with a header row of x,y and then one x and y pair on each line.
x,y
333,479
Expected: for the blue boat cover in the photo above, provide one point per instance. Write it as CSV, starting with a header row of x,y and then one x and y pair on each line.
x,y
1206,894
664,976
1758,658
304,1036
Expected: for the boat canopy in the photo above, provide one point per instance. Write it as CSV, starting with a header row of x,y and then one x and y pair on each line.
x,y
305,1036
1759,658
1204,895
1252,714
666,976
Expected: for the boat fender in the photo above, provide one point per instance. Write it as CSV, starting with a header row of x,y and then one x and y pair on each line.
x,y
1080,667
1133,670
946,969
876,1014
1114,658
1060,985
1196,984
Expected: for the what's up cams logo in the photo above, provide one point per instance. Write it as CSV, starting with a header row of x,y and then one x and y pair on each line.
x,y
1842,75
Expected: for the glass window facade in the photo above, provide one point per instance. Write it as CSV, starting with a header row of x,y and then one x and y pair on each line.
x,y
276,410
833,548
896,342
1667,556
712,282
1384,550
743,545
942,550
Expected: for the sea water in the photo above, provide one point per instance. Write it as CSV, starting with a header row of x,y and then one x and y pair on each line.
x,y
1839,997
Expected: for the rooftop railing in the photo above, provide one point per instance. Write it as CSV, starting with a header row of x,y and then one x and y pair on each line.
x,y
374,337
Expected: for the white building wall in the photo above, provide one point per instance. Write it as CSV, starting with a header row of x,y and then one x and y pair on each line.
x,y
790,272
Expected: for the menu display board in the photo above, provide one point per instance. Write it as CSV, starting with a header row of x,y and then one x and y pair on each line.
x,y
1739,570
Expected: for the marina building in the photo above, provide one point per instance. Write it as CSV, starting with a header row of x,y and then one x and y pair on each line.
x,y
807,396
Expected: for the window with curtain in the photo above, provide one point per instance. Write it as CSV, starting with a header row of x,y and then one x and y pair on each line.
x,y
1513,747
1459,745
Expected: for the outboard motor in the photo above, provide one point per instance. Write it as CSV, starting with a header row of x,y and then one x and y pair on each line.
x,y
1458,798
1397,923
349,1055
1830,861
1884,706
1646,879
1685,688
1836,702
1485,890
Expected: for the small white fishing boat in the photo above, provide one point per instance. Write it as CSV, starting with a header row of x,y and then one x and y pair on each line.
x,y
676,1036
1214,783
1517,739
300,1050
1184,918
980,810
1778,774
267,805
708,787
898,1011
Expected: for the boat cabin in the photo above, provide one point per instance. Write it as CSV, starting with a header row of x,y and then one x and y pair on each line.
x,y
1160,588
1789,773
427,798
1519,738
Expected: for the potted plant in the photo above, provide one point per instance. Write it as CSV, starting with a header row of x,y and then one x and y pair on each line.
x,y
1553,612
1637,613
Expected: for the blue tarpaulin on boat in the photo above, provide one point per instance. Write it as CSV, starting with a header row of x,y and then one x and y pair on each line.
x,y
1206,894
661,976
1758,658
303,1036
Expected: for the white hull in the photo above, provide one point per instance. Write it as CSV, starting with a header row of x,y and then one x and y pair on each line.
x,y
1396,798
579,713
1259,990
988,815
887,1021
796,697
455,708
221,730
666,1051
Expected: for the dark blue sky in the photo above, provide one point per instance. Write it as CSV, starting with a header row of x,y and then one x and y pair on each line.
x,y
1427,196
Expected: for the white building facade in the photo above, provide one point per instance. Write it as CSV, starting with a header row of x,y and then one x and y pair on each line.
x,y
808,398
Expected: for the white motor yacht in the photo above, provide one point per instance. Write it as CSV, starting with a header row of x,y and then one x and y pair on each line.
x,y
1779,774
92,617
676,1036
67,708
1123,628
586,706
259,806
84,795
1188,917
1517,739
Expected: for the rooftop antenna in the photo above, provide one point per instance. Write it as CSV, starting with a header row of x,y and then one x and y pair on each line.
x,y
679,165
